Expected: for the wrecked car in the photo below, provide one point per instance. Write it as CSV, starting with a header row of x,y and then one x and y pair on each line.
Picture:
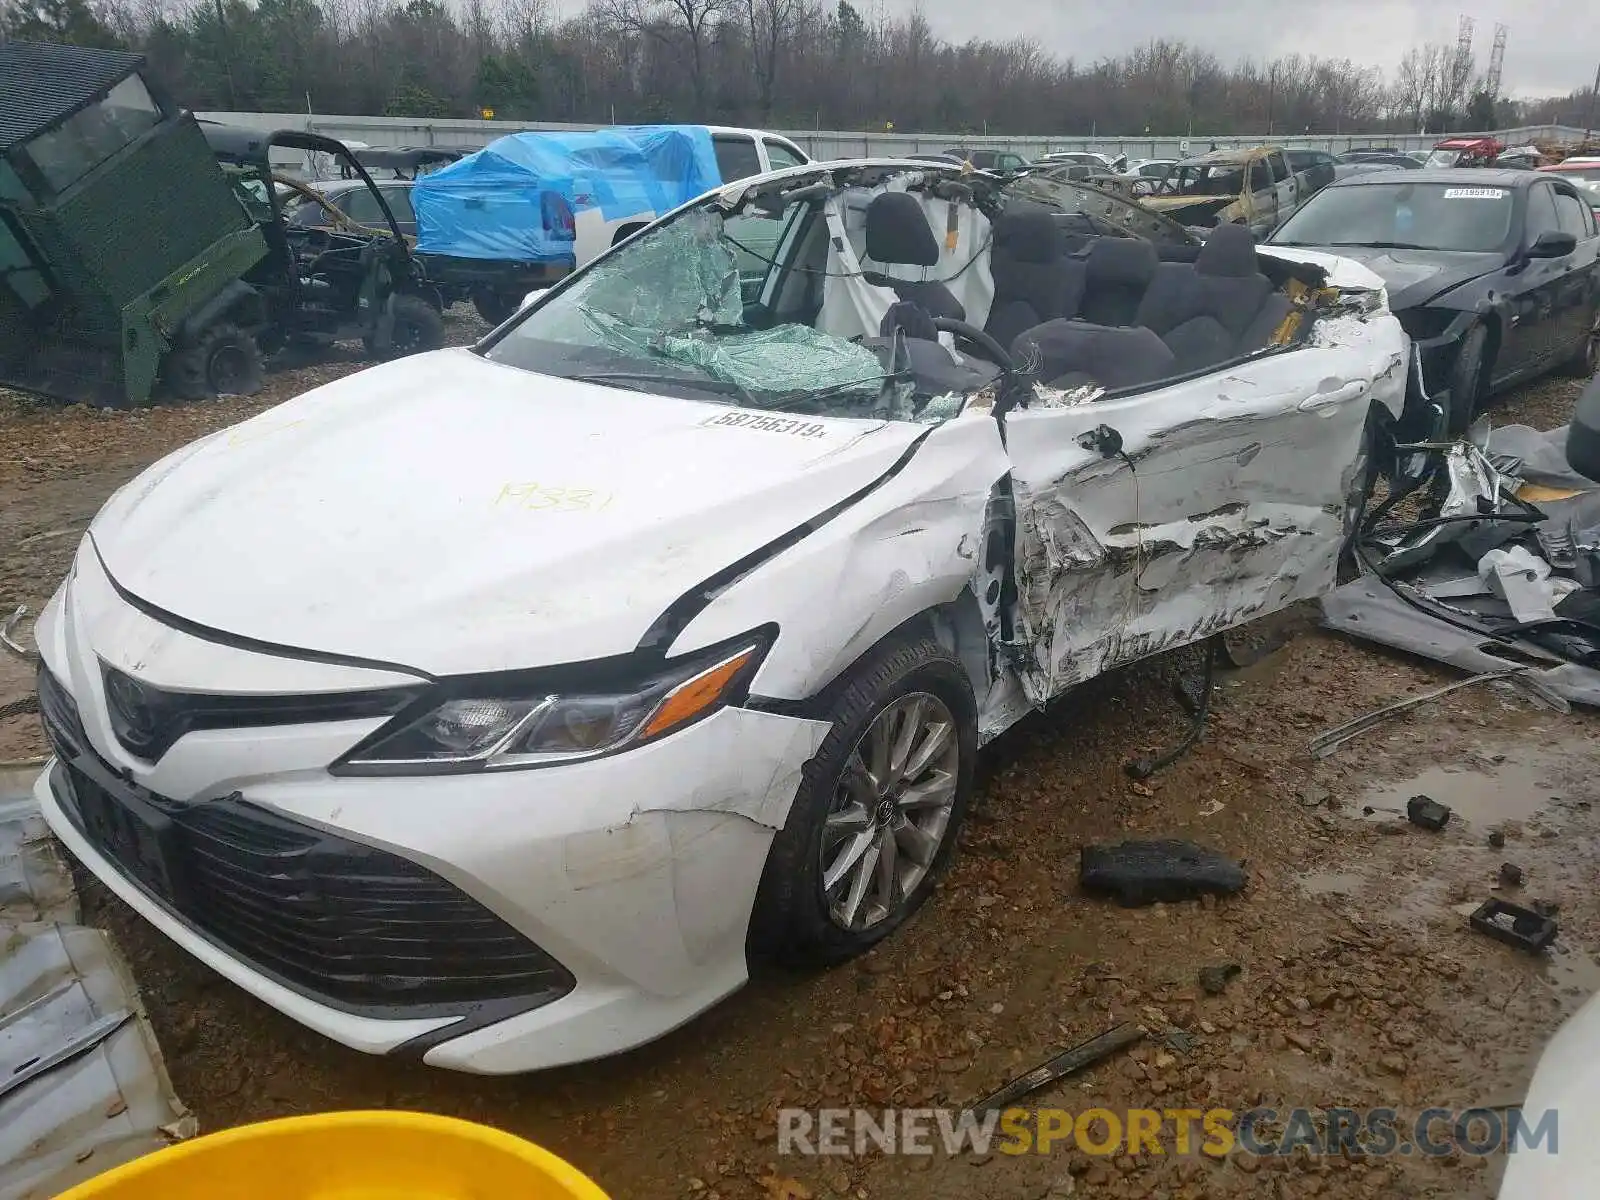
x,y
1494,274
1253,187
1466,152
499,707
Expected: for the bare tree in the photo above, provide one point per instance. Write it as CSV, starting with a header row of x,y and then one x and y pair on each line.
x,y
671,22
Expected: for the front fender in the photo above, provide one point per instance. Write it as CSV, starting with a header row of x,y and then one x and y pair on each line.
x,y
907,547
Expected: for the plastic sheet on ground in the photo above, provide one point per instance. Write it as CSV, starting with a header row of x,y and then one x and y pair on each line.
x,y
82,1084
1501,593
500,202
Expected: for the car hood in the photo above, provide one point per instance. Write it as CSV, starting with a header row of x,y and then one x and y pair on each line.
x,y
450,514
1566,1081
1414,277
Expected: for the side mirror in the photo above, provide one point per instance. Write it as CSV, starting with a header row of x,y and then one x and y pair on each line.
x,y
1553,244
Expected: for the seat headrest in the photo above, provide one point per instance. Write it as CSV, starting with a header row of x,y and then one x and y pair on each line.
x,y
1028,235
1228,251
898,231
1130,260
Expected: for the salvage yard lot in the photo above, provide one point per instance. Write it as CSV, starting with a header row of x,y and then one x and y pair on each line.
x,y
1360,982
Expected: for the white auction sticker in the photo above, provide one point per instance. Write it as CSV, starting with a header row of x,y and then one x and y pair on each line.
x,y
1474,193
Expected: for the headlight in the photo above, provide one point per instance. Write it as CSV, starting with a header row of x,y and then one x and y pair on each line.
x,y
544,725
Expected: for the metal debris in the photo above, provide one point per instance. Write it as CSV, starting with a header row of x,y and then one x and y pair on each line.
x,y
1066,1063
82,1085
1525,928
1329,740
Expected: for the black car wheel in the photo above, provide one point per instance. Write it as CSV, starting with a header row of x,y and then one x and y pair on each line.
x,y
1467,376
417,327
1586,361
222,360
875,821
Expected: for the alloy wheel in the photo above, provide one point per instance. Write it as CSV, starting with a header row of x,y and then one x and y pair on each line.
x,y
891,811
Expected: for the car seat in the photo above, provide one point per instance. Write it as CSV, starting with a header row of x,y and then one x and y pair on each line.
x,y
1219,308
898,234
1111,278
1068,353
1031,285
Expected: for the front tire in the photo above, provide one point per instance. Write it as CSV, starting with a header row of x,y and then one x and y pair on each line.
x,y
1586,362
418,327
1467,379
879,808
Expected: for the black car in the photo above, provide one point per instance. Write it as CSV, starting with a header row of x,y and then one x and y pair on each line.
x,y
1495,275
1404,161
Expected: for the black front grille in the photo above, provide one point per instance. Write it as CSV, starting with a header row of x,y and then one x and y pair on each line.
x,y
59,716
350,925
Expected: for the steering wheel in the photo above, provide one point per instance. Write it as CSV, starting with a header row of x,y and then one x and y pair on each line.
x,y
992,350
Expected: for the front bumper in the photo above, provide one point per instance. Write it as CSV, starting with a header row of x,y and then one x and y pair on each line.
x,y
527,918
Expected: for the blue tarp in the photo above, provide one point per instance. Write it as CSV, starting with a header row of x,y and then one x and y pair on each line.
x,y
502,201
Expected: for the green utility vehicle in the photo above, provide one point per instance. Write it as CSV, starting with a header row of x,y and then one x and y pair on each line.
x,y
122,245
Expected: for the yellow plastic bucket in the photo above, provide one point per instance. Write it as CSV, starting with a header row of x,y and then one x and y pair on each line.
x,y
346,1156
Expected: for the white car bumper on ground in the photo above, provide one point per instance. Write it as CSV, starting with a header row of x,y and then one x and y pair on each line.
x,y
528,918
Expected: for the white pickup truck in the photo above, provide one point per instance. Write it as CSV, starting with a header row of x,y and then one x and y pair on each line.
x,y
740,153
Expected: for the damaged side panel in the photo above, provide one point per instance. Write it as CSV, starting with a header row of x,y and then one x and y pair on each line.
x,y
912,544
1152,521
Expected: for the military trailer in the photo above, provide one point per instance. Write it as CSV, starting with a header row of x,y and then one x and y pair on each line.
x,y
122,244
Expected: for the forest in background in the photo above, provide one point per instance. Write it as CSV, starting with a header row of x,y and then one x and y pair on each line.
x,y
787,64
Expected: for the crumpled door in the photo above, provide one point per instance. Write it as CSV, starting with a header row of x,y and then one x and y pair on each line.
x,y
1151,521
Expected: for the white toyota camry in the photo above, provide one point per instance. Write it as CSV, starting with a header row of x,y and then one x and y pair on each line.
x,y
499,705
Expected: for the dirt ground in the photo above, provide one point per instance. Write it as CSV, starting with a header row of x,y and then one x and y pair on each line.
x,y
1360,983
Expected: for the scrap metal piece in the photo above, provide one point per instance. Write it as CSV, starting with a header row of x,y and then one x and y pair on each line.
x,y
8,640
1329,740
82,1085
1524,928
1066,1063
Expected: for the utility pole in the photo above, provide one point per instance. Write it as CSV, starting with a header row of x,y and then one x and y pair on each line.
x,y
227,57
1588,121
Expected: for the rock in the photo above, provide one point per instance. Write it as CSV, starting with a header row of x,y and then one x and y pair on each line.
x,y
922,990
1207,1027
1246,1162
1164,1060
1402,1037
1497,839
1214,979
1511,875
1392,1064
1427,813
1098,1175
1277,1041
1299,1040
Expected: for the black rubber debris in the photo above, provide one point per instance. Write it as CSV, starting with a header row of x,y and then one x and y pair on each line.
x,y
1514,925
1138,873
1427,812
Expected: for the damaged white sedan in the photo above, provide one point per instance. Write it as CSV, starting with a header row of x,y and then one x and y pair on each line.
x,y
496,706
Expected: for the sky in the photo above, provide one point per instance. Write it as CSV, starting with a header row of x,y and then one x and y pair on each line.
x,y
1552,48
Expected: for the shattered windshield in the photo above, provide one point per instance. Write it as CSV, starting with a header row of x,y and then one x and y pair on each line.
x,y
776,303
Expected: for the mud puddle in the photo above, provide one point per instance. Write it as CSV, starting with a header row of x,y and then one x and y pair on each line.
x,y
1526,781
